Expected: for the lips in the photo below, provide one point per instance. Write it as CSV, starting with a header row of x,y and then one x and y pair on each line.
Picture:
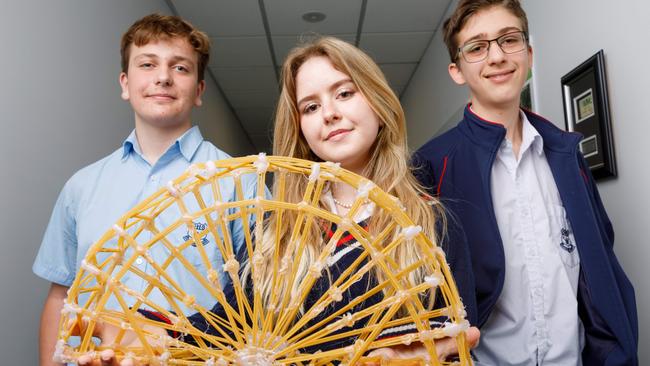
x,y
161,96
500,76
338,132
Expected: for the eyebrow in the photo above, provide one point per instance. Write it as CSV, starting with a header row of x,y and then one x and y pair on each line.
x,y
145,55
155,56
332,87
483,36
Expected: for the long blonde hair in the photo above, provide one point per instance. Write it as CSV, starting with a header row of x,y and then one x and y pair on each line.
x,y
388,166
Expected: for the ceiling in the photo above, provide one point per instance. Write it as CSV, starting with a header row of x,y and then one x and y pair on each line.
x,y
250,39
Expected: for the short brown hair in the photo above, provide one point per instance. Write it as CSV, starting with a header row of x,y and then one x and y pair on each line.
x,y
466,9
155,27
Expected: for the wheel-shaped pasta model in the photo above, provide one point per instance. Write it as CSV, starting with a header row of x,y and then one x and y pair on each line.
x,y
354,296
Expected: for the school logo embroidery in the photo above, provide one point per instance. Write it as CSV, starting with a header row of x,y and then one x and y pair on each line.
x,y
198,226
565,241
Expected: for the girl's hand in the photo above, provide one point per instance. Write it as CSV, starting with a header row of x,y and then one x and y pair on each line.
x,y
444,347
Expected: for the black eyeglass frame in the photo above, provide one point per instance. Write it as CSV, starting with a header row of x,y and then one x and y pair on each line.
x,y
489,41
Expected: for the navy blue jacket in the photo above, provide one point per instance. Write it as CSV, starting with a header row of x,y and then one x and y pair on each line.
x,y
457,165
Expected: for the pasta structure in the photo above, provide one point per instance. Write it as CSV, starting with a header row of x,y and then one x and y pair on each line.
x,y
352,298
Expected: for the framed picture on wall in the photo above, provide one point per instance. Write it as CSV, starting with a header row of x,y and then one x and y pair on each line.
x,y
586,110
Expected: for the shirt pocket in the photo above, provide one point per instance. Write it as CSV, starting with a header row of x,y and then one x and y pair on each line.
x,y
209,246
192,250
562,237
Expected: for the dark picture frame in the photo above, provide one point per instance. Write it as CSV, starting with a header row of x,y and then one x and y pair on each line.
x,y
586,110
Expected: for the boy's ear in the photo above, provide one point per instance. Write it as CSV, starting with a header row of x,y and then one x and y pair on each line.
x,y
200,88
456,74
124,83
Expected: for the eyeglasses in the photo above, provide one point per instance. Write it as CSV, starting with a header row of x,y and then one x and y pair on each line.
x,y
477,51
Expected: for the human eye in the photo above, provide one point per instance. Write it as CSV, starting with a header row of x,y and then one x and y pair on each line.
x,y
145,65
511,39
181,68
345,94
309,108
475,48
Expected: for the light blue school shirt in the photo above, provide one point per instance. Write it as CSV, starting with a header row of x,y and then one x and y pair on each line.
x,y
96,196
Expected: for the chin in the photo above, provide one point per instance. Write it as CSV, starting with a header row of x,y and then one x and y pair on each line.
x,y
506,98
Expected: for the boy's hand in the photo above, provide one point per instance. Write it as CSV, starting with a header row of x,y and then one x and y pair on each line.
x,y
108,333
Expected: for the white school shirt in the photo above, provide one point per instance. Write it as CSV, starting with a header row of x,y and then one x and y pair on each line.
x,y
535,320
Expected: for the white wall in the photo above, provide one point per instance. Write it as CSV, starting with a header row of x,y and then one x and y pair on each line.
x,y
564,39
432,99
219,124
566,33
61,109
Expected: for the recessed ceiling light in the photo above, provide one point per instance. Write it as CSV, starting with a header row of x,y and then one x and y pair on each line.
x,y
313,17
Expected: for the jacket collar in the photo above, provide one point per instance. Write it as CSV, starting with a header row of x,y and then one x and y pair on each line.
x,y
489,134
482,132
555,139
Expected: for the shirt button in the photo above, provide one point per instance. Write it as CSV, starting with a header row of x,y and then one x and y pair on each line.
x,y
139,261
153,178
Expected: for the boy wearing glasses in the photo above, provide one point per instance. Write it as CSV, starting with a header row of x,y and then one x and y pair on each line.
x,y
549,288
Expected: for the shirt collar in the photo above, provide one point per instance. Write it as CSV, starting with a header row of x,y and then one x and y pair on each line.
x,y
129,145
530,136
187,143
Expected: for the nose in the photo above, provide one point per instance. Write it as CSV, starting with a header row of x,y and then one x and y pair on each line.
x,y
164,77
495,53
330,112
